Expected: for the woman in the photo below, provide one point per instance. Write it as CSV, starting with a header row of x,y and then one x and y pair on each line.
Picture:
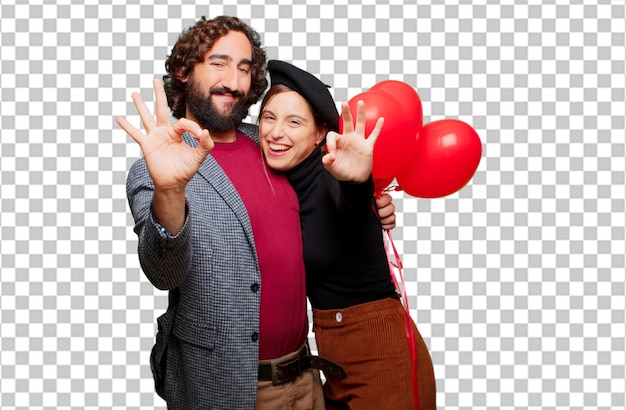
x,y
359,321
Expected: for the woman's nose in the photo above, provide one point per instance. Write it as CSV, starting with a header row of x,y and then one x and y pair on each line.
x,y
277,131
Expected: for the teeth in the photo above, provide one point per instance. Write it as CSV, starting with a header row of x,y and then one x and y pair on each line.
x,y
275,147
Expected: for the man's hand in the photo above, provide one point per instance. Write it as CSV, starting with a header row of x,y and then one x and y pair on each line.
x,y
171,162
386,212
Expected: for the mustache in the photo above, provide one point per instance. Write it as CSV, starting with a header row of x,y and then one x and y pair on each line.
x,y
224,90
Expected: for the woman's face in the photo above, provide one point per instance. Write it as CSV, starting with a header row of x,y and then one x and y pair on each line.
x,y
287,131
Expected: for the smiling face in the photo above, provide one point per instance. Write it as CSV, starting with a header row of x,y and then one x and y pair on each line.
x,y
219,84
287,130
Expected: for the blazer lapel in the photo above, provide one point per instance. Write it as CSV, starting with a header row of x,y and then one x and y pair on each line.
x,y
211,171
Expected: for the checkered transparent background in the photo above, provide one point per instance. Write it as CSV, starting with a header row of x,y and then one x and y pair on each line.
x,y
517,282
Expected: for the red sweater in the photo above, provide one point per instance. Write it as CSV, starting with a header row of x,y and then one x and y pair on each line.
x,y
274,214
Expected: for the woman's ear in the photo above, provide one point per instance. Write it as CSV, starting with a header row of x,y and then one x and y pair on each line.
x,y
321,135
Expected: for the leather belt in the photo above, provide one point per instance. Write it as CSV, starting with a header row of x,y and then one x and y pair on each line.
x,y
289,368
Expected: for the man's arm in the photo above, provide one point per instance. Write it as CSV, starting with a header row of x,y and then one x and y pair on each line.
x,y
169,208
170,161
156,189
164,257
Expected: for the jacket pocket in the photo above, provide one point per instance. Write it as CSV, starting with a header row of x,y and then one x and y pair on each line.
x,y
202,336
158,356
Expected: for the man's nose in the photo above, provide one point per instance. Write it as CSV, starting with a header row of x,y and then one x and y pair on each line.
x,y
231,79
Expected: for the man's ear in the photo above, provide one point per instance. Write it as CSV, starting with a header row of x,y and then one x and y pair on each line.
x,y
181,77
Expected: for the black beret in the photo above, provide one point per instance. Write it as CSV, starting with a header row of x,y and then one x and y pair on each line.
x,y
308,86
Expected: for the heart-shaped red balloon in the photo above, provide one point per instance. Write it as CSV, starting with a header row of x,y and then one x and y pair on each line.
x,y
397,141
447,155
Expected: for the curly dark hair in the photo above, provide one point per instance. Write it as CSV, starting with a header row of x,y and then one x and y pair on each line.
x,y
190,49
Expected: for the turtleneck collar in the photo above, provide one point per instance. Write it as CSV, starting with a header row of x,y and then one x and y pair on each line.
x,y
305,173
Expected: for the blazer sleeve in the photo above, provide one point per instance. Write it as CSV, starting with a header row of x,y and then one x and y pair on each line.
x,y
164,259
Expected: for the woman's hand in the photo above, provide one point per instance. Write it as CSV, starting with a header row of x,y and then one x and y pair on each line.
x,y
350,155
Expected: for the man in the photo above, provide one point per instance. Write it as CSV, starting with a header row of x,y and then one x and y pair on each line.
x,y
221,232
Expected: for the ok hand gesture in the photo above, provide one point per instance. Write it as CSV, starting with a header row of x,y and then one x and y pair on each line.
x,y
170,161
350,155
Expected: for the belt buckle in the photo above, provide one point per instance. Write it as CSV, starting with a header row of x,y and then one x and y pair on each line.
x,y
286,371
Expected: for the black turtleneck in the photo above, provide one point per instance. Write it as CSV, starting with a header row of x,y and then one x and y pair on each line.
x,y
344,253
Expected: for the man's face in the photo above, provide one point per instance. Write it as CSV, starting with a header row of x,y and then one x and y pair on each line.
x,y
218,86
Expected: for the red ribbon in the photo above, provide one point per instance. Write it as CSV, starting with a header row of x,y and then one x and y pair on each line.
x,y
395,269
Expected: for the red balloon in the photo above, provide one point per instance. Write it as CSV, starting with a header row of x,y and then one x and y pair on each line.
x,y
397,141
447,155
409,100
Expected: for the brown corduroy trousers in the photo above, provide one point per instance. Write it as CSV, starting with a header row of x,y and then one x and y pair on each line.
x,y
370,342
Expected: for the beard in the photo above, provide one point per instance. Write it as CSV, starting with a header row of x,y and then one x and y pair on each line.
x,y
208,116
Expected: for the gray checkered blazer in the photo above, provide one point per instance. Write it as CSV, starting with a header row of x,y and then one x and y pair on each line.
x,y
206,351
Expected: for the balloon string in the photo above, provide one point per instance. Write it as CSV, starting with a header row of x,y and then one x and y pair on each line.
x,y
388,189
392,188
395,268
